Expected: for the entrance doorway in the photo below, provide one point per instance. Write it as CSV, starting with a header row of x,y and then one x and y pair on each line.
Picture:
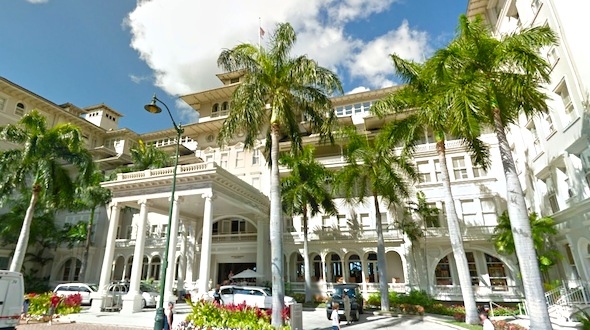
x,y
224,270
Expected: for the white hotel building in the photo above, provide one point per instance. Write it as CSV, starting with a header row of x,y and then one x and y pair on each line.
x,y
220,211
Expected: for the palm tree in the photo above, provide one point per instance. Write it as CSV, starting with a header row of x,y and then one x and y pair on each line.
x,y
275,94
506,76
423,101
542,229
148,156
42,163
92,195
373,170
305,192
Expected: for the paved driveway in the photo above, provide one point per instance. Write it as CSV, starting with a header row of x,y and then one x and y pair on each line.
x,y
317,320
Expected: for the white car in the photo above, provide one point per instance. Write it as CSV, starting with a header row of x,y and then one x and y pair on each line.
x,y
148,294
84,289
254,296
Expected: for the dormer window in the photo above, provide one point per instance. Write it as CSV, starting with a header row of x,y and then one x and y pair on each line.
x,y
215,108
224,106
19,110
234,80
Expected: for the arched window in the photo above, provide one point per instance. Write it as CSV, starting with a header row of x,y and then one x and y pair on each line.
x,y
497,272
224,106
19,110
128,268
442,273
317,268
215,109
144,268
355,269
299,267
156,267
71,270
372,268
335,267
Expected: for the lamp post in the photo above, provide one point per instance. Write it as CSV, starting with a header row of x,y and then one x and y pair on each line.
x,y
153,108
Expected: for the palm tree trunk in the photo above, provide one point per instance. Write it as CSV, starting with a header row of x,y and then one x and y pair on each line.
x,y
381,258
23,238
471,316
306,258
84,265
276,232
521,230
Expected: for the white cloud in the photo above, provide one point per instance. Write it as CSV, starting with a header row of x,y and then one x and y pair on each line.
x,y
138,79
186,113
373,62
37,1
180,40
358,89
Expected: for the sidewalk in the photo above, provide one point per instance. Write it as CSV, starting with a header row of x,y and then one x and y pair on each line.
x,y
140,320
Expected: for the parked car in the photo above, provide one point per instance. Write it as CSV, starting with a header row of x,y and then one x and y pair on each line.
x,y
84,289
149,294
254,296
356,300
11,292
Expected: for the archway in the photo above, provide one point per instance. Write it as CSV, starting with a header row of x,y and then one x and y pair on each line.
x,y
355,269
70,270
334,265
119,267
395,268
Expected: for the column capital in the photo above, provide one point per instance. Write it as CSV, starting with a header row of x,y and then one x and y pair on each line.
x,y
209,195
177,198
144,201
115,205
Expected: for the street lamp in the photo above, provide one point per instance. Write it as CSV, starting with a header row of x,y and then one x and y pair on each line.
x,y
153,108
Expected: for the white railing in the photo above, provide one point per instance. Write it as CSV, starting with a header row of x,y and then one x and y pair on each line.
x,y
337,234
234,237
166,171
453,292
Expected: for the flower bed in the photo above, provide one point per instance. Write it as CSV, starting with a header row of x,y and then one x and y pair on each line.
x,y
212,316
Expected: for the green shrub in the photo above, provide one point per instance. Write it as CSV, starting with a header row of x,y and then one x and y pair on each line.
x,y
415,297
374,299
39,304
299,297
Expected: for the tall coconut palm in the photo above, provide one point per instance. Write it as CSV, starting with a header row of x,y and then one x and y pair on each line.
x,y
373,170
41,162
506,76
305,192
275,94
92,195
424,104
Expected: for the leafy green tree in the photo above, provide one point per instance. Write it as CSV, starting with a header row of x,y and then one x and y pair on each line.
x,y
305,192
42,163
148,156
505,77
275,94
424,104
374,170
543,231
91,196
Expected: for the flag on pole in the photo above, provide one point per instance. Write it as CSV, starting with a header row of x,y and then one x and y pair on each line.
x,y
261,33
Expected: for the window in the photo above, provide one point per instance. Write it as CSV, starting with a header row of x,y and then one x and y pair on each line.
x,y
550,126
424,171
442,272
426,137
129,232
566,99
365,220
256,157
238,226
478,171
2,103
355,269
155,268
535,5
240,158
497,273
372,268
552,56
552,195
163,231
19,110
326,222
3,261
224,106
459,168
571,261
432,218
208,158
472,268
215,110
535,136
342,221
437,171
469,211
488,210
153,231
384,222
234,80
223,160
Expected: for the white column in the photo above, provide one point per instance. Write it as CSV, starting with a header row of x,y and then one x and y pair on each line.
x,y
107,262
132,301
182,263
205,264
261,239
190,254
170,270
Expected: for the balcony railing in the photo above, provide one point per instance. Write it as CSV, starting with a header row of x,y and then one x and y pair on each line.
x,y
468,232
453,292
339,234
165,171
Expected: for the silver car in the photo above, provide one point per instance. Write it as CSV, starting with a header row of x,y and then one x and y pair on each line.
x,y
253,296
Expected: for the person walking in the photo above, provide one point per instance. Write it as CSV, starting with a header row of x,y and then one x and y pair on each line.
x,y
485,321
346,300
335,317
169,316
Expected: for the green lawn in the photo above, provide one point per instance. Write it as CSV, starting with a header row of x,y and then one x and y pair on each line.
x,y
465,325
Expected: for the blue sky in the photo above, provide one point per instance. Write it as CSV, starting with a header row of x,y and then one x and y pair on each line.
x,y
120,52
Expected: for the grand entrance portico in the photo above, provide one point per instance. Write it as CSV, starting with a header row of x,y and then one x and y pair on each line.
x,y
207,199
